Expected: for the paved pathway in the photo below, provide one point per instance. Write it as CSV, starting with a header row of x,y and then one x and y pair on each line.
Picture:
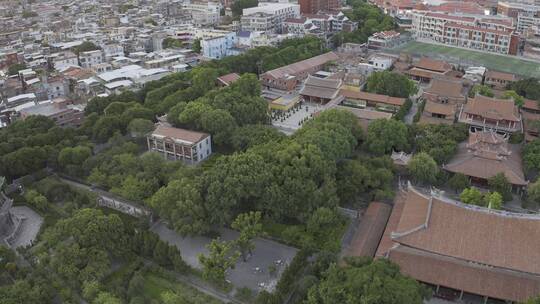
x,y
253,273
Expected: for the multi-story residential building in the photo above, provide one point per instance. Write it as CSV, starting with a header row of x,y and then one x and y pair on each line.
x,y
483,112
315,6
218,46
134,73
62,59
259,22
180,144
482,33
60,111
384,39
55,86
203,14
112,50
269,15
91,58
526,16
324,23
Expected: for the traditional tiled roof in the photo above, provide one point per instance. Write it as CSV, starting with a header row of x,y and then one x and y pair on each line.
x,y
501,75
474,249
372,97
179,134
370,230
433,65
487,154
444,87
301,66
228,79
440,108
319,87
492,108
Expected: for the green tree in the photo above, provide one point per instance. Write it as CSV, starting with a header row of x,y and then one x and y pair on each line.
x,y
494,200
139,127
239,5
170,42
29,14
385,135
90,290
36,200
458,182
71,159
15,68
531,155
510,94
423,168
182,204
322,221
220,258
106,298
360,282
482,90
533,300
85,47
249,225
528,88
220,124
533,192
472,196
196,46
391,84
499,183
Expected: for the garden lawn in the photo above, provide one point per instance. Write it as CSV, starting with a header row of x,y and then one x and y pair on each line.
x,y
510,64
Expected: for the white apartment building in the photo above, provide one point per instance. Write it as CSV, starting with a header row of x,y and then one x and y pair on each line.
x,y
268,17
203,14
218,46
112,50
483,33
90,58
134,73
62,60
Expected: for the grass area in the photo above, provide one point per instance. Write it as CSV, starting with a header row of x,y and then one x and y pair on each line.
x,y
156,284
473,58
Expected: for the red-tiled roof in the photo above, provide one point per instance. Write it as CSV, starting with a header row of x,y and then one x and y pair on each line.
x,y
465,247
179,134
229,78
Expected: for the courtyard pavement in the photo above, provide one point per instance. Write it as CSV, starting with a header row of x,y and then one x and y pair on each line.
x,y
291,124
29,227
253,274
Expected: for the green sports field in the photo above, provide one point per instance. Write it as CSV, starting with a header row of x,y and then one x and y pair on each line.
x,y
472,58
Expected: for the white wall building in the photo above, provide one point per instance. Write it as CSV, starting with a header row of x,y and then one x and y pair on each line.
x,y
219,46
268,16
90,58
204,14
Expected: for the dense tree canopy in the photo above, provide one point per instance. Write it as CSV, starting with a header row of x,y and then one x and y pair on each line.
x,y
439,141
423,168
366,281
239,5
528,88
391,84
385,135
481,90
531,155
370,20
